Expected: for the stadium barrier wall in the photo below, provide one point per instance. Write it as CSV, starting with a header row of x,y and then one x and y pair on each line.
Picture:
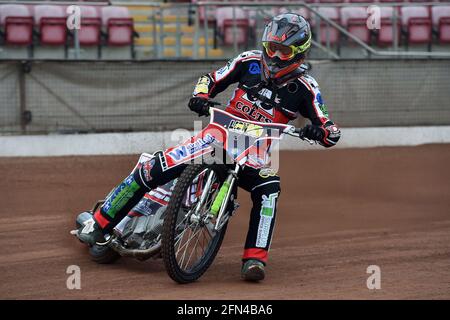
x,y
85,97
139,142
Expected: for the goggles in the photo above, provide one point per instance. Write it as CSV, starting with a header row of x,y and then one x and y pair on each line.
x,y
274,49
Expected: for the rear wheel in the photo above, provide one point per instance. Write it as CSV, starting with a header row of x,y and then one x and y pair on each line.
x,y
189,242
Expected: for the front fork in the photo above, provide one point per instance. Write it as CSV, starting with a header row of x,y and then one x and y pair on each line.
x,y
221,201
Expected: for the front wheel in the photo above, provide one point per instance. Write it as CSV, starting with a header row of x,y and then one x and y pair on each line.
x,y
189,241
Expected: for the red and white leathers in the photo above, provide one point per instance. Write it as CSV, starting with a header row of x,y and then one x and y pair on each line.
x,y
299,96
253,99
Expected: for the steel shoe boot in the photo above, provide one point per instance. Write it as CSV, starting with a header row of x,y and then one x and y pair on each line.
x,y
253,270
91,233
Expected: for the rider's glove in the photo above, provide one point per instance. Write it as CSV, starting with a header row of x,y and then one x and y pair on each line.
x,y
313,132
199,105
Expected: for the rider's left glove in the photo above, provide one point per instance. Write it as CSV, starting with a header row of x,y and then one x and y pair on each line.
x,y
313,132
199,105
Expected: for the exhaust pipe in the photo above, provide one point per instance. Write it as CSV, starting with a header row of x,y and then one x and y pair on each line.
x,y
135,253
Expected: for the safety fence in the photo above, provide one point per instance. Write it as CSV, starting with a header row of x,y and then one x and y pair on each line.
x,y
63,97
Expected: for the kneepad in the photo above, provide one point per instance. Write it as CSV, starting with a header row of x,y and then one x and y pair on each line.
x,y
147,169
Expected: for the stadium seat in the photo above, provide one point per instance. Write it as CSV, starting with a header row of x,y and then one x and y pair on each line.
x,y
441,22
118,24
226,13
17,22
89,33
385,36
209,14
225,25
301,11
326,30
355,20
266,13
206,12
417,24
51,22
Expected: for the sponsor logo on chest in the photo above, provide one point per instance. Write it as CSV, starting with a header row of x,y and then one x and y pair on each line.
x,y
253,108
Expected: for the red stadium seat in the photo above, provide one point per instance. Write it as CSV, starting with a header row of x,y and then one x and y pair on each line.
x,y
242,26
209,13
119,25
225,25
386,34
253,14
301,11
441,22
417,23
18,24
51,21
206,12
355,20
226,13
89,33
327,30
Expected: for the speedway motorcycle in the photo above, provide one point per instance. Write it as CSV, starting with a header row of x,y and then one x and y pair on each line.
x,y
184,221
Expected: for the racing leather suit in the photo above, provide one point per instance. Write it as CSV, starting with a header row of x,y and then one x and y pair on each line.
x,y
254,100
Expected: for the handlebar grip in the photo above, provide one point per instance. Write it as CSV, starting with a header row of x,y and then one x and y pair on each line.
x,y
214,103
299,131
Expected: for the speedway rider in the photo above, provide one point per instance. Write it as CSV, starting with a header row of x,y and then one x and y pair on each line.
x,y
273,86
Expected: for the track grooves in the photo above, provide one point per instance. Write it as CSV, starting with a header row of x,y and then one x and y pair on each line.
x,y
340,211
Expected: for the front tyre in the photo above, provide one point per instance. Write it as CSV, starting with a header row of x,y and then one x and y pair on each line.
x,y
189,244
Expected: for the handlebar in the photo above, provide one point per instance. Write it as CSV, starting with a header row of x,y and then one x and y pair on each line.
x,y
215,103
298,132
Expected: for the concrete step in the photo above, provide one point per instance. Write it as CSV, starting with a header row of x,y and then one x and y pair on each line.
x,y
188,52
172,41
148,52
143,28
166,18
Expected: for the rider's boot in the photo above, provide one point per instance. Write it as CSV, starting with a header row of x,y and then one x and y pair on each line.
x,y
253,270
91,233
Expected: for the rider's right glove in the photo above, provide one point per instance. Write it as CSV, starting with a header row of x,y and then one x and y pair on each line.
x,y
199,105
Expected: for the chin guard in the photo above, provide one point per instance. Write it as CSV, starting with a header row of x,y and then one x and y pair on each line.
x,y
280,82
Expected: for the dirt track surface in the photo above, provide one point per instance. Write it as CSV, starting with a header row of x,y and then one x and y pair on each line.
x,y
340,211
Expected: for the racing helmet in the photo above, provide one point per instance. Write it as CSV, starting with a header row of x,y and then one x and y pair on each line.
x,y
286,40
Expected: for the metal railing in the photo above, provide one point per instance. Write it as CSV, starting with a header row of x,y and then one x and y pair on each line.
x,y
195,15
318,17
